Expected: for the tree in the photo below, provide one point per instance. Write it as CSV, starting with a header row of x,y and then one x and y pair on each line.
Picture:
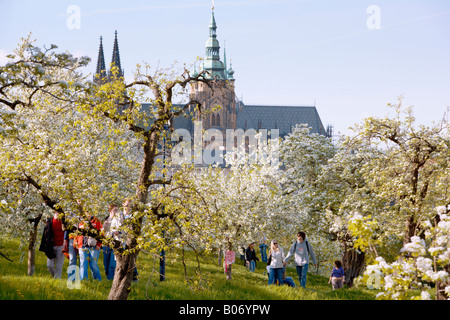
x,y
70,139
309,192
412,169
37,93
223,207
116,101
387,178
422,263
341,186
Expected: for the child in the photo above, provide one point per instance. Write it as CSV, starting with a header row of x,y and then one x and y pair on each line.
x,y
337,275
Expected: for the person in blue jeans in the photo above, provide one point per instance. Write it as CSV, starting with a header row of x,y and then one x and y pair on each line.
x,y
277,264
89,250
250,257
286,280
302,250
73,254
89,257
111,227
263,249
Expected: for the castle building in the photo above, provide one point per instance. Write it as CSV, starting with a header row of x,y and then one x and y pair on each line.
x,y
223,110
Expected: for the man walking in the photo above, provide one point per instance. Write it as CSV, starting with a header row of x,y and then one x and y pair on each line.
x,y
301,249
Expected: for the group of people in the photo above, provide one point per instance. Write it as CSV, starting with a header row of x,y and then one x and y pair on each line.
x,y
57,244
276,261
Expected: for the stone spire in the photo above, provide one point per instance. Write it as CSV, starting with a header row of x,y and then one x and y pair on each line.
x,y
116,57
100,72
225,60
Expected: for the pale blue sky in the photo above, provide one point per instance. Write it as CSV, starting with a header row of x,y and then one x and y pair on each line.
x,y
283,51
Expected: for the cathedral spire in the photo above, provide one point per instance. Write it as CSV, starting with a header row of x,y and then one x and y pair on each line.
x,y
100,72
225,59
212,62
116,57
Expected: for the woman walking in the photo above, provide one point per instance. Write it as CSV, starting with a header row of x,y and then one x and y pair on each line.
x,y
276,258
250,257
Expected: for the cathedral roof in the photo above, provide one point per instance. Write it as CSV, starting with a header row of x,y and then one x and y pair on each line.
x,y
283,118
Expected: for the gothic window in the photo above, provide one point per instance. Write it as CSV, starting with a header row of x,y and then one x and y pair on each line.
x,y
217,120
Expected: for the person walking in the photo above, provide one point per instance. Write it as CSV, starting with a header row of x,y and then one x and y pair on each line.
x,y
111,229
302,250
250,257
52,245
89,248
276,258
69,247
263,249
337,276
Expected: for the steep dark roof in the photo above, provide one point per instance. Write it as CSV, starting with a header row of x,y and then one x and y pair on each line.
x,y
282,118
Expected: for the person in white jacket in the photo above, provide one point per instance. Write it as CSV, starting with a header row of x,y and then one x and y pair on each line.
x,y
301,249
276,258
111,228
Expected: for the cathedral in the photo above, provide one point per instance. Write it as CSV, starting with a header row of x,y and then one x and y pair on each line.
x,y
232,113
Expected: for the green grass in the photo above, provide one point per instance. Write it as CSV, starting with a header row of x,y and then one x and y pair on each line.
x,y
211,285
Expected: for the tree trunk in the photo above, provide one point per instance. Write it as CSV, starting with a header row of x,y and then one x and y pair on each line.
x,y
31,246
219,256
353,262
410,230
125,263
123,276
31,259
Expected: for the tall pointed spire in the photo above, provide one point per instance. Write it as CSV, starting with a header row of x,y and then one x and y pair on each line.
x,y
116,57
225,60
100,72
212,62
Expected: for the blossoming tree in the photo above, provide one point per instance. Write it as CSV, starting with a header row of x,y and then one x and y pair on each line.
x,y
423,262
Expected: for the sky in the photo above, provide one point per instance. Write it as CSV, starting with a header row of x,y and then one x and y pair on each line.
x,y
349,58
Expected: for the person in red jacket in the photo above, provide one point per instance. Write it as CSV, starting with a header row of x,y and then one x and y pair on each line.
x,y
52,244
89,248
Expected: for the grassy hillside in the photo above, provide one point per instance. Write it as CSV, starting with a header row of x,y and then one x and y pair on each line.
x,y
211,285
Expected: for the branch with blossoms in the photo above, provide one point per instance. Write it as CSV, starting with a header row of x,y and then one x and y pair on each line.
x,y
420,264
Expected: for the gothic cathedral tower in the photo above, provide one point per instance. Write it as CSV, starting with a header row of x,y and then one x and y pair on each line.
x,y
101,75
219,100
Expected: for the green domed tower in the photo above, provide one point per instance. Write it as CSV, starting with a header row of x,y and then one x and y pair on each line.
x,y
212,63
